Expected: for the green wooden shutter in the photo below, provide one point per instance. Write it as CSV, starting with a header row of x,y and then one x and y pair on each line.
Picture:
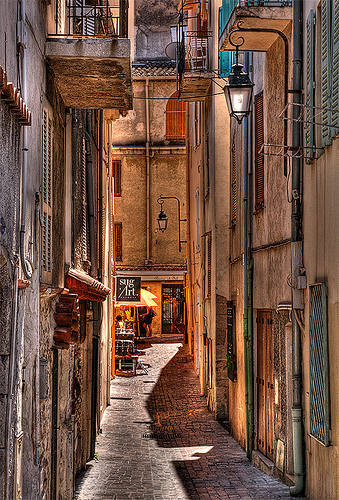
x,y
47,198
335,73
326,10
225,56
310,88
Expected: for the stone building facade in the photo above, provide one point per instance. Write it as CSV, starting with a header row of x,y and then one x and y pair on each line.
x,y
148,154
55,251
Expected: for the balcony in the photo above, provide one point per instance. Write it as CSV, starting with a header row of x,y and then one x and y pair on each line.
x,y
89,54
193,71
254,14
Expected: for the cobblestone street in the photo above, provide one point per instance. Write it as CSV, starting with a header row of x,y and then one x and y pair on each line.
x,y
159,442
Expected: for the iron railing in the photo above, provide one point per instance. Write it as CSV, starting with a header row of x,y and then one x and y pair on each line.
x,y
91,18
319,373
192,50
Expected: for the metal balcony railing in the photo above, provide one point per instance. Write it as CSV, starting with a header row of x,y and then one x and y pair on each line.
x,y
193,53
229,5
91,18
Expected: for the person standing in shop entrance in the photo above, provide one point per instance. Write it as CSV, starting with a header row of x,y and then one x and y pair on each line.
x,y
148,321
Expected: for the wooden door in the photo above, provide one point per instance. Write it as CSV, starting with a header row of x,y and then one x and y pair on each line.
x,y
265,387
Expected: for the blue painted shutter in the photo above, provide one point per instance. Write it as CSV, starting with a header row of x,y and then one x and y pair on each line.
x,y
310,88
319,376
225,57
326,9
335,74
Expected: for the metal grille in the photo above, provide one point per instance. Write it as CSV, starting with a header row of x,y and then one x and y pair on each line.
x,y
319,386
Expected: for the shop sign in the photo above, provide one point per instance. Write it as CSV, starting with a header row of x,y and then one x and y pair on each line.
x,y
128,288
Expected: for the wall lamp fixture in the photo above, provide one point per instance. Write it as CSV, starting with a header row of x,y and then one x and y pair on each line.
x,y
162,217
239,88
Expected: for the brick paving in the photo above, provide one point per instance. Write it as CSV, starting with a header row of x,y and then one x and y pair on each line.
x,y
159,442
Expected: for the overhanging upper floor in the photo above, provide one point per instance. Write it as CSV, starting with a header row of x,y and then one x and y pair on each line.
x,y
89,54
256,16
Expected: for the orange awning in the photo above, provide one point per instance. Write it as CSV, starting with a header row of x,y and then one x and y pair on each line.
x,y
86,287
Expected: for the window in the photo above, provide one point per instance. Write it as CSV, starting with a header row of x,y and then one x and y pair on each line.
x,y
231,352
259,158
175,119
118,241
209,265
116,173
310,88
319,376
196,124
47,198
197,220
329,69
233,186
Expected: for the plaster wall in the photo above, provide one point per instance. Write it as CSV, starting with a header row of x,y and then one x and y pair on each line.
x,y
320,248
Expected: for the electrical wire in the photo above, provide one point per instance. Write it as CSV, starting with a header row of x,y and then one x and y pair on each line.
x,y
167,98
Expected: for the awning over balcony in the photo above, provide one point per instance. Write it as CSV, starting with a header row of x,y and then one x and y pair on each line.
x,y
86,287
277,16
92,72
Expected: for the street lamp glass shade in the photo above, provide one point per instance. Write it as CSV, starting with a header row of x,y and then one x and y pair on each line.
x,y
238,92
162,220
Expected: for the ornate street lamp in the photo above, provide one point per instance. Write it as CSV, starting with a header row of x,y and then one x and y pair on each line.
x,y
239,88
162,217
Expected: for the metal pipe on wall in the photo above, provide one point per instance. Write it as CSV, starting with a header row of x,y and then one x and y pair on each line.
x,y
147,152
297,424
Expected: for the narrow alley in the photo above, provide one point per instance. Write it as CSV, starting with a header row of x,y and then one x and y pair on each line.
x,y
158,441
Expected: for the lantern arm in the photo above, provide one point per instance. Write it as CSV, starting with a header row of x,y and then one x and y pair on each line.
x,y
160,200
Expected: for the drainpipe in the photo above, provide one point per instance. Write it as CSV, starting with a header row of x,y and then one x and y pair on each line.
x,y
296,250
25,265
12,369
147,172
248,272
100,182
111,308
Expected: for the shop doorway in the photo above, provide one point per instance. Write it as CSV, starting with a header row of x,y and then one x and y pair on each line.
x,y
265,387
173,310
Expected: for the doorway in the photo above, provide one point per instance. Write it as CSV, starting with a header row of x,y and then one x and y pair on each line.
x,y
173,310
265,386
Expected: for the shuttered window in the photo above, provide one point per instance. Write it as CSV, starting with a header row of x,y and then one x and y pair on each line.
x,y
209,265
326,75
116,173
47,195
319,370
335,70
259,158
175,119
233,186
118,241
310,88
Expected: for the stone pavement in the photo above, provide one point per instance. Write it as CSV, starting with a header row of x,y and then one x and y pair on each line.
x,y
159,442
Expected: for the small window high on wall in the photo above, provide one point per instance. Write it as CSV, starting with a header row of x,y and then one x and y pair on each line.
x,y
175,119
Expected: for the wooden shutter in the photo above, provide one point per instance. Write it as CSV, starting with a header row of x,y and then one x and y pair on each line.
x,y
225,56
326,9
116,173
47,199
233,186
209,265
310,88
175,119
335,72
259,158
118,241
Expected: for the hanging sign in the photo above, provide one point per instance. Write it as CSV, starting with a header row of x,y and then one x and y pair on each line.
x,y
128,288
